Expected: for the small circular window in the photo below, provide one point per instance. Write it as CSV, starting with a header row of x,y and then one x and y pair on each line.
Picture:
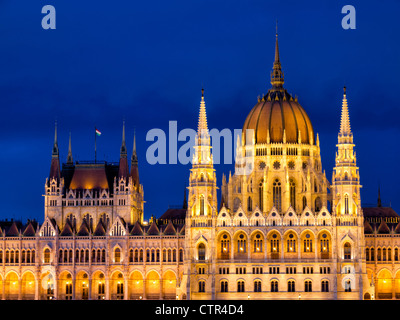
x,y
277,165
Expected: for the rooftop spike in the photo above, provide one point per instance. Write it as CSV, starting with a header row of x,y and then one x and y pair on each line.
x,y
134,158
202,115
69,157
345,118
123,145
55,152
277,78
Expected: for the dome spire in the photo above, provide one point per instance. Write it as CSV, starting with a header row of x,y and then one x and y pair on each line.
x,y
277,78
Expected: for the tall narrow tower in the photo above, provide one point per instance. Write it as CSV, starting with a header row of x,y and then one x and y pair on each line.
x,y
201,215
54,185
347,213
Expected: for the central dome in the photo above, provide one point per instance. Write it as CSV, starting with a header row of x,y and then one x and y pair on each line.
x,y
277,117
278,114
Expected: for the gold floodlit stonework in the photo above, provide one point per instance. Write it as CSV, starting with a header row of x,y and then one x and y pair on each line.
x,y
282,231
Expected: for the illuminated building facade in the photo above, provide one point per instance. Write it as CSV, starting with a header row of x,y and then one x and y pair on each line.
x,y
280,231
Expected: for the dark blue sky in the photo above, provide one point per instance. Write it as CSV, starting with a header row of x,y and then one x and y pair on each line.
x,y
146,61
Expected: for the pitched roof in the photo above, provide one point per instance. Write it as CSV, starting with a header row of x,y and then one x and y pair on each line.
x,y
153,230
367,228
174,214
100,229
89,176
12,231
377,212
29,230
137,230
383,228
169,229
84,229
67,230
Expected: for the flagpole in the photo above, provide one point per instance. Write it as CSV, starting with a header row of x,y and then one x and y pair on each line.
x,y
95,145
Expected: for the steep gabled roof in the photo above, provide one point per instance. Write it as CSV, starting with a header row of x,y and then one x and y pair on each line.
x,y
153,230
137,230
100,229
84,229
68,230
383,227
367,228
397,229
29,230
182,231
169,229
13,230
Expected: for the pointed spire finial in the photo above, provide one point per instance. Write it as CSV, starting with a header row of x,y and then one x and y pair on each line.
x,y
345,118
69,157
55,152
134,158
277,78
123,145
202,127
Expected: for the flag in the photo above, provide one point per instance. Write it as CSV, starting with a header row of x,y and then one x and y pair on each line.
x,y
98,133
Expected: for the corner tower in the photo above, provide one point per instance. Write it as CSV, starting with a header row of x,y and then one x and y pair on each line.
x,y
347,213
201,214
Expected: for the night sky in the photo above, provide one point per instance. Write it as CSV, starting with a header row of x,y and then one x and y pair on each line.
x,y
146,62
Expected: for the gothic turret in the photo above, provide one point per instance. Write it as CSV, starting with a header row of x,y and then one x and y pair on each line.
x,y
346,210
202,209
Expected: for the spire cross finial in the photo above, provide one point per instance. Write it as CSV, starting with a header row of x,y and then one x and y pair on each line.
x,y
55,145
277,78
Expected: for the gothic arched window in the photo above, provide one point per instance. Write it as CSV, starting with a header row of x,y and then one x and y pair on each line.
x,y
201,251
277,197
346,204
292,188
249,204
347,250
260,195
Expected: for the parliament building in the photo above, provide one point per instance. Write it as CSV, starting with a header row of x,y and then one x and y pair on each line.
x,y
281,229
